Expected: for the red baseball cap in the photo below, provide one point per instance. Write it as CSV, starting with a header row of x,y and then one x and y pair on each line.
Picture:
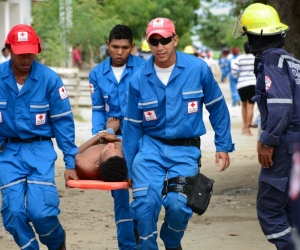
x,y
235,51
162,26
23,40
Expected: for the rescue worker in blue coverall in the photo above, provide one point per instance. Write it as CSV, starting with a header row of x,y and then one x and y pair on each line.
x,y
162,125
109,82
277,97
34,107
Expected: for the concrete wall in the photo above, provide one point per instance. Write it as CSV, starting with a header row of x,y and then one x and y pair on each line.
x,y
13,12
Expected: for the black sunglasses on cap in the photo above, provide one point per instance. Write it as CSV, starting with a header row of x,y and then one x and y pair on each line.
x,y
162,41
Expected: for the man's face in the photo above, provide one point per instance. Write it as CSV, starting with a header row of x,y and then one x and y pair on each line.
x,y
164,54
110,150
6,53
21,63
119,51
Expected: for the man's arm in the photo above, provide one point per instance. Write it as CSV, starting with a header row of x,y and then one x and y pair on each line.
x,y
220,120
98,105
132,126
112,126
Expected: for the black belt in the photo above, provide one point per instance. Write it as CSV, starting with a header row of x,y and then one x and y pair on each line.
x,y
17,139
181,142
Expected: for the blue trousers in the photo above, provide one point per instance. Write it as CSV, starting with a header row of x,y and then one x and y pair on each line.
x,y
235,97
152,163
29,194
274,207
124,221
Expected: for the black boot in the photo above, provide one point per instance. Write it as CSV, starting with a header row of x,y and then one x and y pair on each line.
x,y
63,244
177,248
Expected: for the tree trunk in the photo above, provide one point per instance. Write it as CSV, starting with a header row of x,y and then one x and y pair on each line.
x,y
289,13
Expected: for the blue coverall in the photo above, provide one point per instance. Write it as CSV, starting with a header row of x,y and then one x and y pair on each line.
x,y
29,193
235,97
172,111
109,100
277,97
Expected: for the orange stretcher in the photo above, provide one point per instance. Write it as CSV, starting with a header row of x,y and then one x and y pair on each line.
x,y
97,184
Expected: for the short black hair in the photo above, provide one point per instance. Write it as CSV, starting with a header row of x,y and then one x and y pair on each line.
x,y
114,169
246,48
121,32
3,49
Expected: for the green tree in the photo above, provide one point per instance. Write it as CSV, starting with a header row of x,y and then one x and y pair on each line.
x,y
93,19
288,11
46,23
215,31
138,14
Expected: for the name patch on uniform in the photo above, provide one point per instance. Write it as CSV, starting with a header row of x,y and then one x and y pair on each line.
x,y
150,115
268,82
0,117
92,88
63,92
40,119
193,107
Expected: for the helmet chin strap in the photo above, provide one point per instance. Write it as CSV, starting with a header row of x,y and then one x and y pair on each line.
x,y
257,59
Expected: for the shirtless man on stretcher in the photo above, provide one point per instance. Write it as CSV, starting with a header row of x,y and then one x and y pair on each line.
x,y
101,157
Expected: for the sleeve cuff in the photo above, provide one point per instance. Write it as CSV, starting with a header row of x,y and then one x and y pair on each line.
x,y
268,139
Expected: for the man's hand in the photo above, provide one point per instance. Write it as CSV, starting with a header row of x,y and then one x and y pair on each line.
x,y
265,156
70,174
225,160
108,137
129,183
113,123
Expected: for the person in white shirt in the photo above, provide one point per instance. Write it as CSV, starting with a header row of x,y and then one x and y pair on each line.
x,y
242,68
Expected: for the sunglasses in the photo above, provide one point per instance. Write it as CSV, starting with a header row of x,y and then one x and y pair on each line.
x,y
162,41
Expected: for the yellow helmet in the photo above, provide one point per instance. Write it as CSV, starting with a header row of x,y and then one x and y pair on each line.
x,y
189,49
145,46
258,17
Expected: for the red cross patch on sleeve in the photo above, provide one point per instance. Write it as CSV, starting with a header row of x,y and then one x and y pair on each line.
x,y
92,88
150,115
193,107
40,119
268,82
63,92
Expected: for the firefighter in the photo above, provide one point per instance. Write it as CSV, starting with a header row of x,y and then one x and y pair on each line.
x,y
277,96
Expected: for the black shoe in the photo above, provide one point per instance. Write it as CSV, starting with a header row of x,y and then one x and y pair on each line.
x,y
63,244
177,248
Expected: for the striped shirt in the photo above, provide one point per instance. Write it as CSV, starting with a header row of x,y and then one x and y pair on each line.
x,y
242,67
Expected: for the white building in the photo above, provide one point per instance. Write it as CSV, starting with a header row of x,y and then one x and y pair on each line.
x,y
13,12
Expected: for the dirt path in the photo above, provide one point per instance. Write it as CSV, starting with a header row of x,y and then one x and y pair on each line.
x,y
230,222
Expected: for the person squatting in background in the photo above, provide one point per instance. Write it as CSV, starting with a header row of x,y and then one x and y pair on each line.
x,y
235,97
109,83
34,107
243,68
277,95
165,101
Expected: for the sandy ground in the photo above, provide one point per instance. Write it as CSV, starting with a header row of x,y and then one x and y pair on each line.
x,y
230,223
